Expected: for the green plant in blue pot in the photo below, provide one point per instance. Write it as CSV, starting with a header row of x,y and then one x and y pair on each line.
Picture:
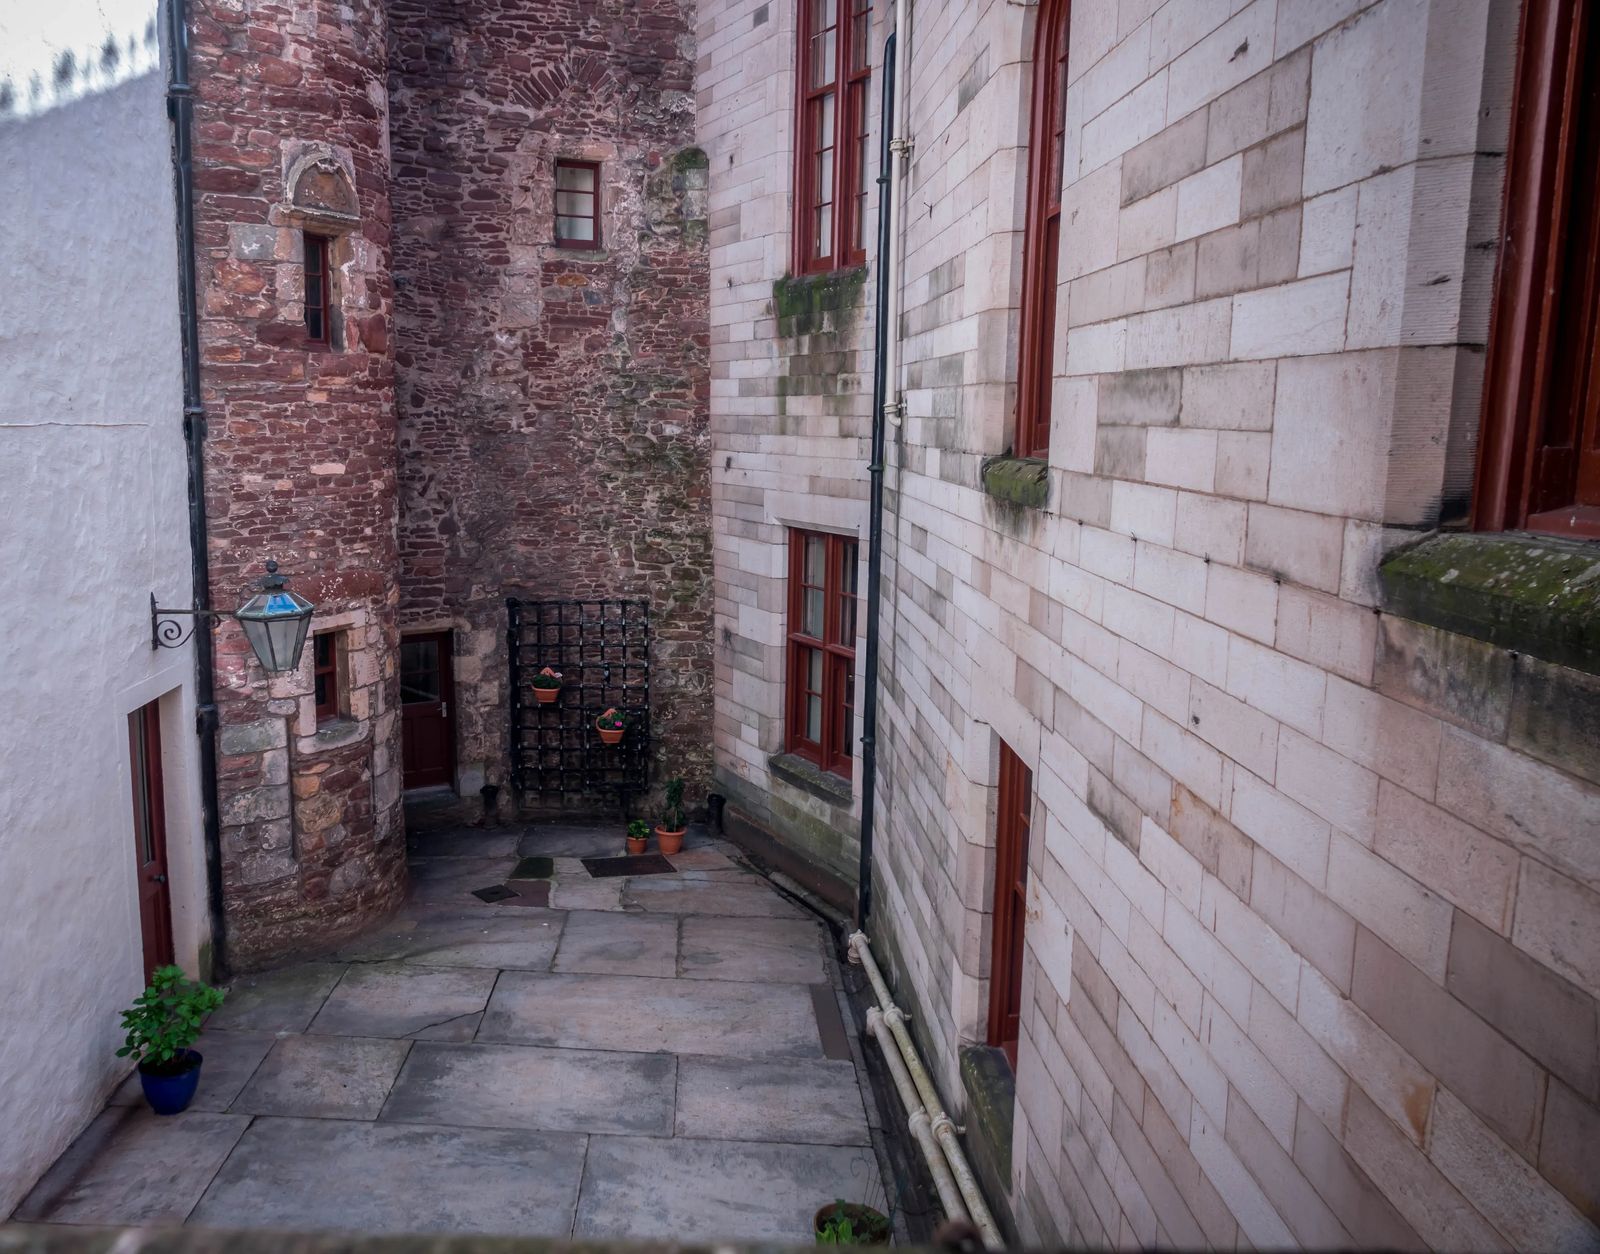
x,y
162,1026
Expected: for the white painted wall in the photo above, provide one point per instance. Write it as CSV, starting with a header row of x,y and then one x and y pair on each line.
x,y
93,520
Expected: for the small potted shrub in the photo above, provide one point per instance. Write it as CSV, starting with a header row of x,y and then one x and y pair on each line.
x,y
638,836
851,1223
161,1026
611,725
669,832
547,685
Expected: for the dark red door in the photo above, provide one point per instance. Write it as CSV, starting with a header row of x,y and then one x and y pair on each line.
x,y
1014,807
150,836
426,691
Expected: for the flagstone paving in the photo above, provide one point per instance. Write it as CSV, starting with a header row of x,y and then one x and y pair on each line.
x,y
655,1057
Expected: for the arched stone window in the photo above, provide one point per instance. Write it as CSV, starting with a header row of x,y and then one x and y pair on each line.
x,y
1041,238
322,195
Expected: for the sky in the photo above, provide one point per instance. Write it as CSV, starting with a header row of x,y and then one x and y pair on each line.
x,y
35,35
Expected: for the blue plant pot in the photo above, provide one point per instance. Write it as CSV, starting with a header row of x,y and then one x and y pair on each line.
x,y
169,1094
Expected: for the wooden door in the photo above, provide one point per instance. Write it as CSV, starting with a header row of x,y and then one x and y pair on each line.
x,y
1014,808
427,692
150,836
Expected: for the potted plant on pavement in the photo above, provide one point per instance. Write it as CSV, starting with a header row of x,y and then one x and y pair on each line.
x,y
611,725
669,832
851,1223
638,836
162,1025
547,685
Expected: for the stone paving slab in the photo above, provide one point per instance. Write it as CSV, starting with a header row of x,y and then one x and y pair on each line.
x,y
615,943
463,843
573,842
798,1100
328,1175
230,1060
683,1190
285,1000
787,951
635,1014
703,859
131,1166
451,881
579,892
471,938
324,1077
393,999
677,895
519,1086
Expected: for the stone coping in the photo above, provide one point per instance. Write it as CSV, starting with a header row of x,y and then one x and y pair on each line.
x,y
807,776
1538,595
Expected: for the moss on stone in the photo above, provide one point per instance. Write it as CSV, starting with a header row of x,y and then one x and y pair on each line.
x,y
1023,481
1533,594
991,1105
803,302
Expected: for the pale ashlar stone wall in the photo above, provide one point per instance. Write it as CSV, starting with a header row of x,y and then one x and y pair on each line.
x,y
1313,941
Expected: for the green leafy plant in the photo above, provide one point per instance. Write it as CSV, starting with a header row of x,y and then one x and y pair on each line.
x,y
638,830
853,1225
672,818
547,678
164,1022
612,720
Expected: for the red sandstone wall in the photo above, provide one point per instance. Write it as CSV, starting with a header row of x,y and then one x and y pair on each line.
x,y
300,463
552,403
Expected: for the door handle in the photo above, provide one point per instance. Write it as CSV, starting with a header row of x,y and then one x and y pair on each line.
x,y
444,709
158,879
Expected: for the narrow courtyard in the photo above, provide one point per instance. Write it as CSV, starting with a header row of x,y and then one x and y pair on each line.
x,y
657,1056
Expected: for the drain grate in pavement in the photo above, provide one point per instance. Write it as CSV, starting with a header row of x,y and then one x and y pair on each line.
x,y
531,893
494,893
533,869
631,864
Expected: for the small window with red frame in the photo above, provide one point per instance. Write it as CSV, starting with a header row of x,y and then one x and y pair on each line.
x,y
578,204
318,291
326,679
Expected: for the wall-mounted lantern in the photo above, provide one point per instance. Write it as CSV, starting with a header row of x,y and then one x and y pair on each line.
x,y
275,622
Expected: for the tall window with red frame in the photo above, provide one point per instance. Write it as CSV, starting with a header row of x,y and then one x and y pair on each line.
x,y
822,649
1013,815
326,680
830,226
318,291
1539,451
1041,237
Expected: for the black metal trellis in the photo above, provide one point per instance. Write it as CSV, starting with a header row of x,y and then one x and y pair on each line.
x,y
602,650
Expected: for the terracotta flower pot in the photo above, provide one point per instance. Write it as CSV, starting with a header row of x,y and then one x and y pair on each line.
x,y
871,1226
610,735
546,695
670,842
636,844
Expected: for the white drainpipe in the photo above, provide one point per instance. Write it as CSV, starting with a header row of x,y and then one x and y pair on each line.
x,y
886,1022
900,146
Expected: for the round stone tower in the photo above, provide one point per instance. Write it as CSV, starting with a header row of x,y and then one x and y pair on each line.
x,y
295,292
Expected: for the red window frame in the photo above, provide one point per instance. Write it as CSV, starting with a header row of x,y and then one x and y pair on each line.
x,y
831,156
318,290
1041,232
1539,451
592,168
325,678
1013,818
823,629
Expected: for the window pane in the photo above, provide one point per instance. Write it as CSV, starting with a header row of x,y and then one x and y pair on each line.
x,y
323,697
324,650
847,729
860,24
575,204
574,178
811,613
419,671
824,42
816,569
814,670
575,228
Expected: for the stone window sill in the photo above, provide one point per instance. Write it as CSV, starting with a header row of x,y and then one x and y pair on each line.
x,y
808,777
336,733
991,1099
1021,481
1536,595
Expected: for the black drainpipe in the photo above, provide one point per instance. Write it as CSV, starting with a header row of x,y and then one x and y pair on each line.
x,y
180,108
880,388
